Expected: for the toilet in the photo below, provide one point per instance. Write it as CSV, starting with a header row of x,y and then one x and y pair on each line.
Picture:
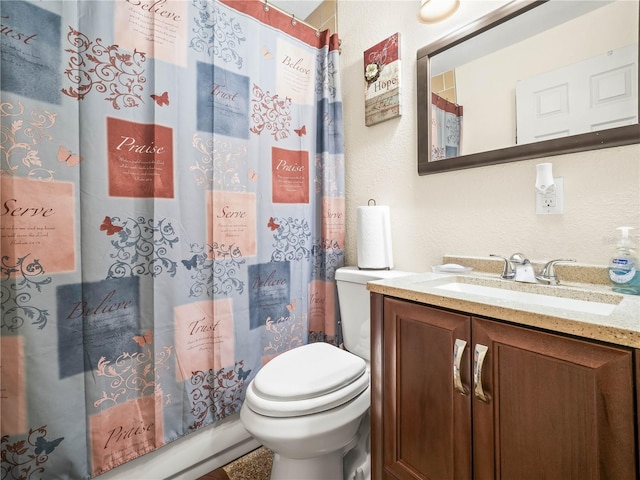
x,y
310,405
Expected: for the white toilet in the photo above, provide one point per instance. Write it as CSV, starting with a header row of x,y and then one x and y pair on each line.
x,y
307,404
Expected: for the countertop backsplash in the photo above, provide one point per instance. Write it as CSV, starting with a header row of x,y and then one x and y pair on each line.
x,y
568,273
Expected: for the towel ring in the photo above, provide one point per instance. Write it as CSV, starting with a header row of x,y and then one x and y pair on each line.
x,y
371,200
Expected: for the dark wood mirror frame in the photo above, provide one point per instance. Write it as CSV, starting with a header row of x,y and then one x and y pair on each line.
x,y
612,137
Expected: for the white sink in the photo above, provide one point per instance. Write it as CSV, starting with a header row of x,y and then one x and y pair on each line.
x,y
560,299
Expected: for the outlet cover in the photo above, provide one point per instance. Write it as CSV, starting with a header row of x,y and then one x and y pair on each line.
x,y
551,203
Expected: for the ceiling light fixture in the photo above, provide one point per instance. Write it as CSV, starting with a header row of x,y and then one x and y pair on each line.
x,y
432,11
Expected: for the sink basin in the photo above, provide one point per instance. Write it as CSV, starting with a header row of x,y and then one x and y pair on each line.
x,y
576,300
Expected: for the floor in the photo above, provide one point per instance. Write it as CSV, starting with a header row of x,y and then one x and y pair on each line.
x,y
255,465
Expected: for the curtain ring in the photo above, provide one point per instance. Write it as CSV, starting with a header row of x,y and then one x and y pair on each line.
x,y
293,20
266,6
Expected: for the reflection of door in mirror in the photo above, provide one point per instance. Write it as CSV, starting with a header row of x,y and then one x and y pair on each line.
x,y
587,96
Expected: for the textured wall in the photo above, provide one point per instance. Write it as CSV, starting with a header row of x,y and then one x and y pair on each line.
x,y
470,212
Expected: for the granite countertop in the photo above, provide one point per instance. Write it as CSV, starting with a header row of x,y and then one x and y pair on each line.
x,y
621,326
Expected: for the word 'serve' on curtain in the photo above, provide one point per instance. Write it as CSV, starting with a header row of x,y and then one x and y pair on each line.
x,y
172,217
446,128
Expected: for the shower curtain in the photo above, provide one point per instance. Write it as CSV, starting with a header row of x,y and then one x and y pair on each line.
x,y
172,216
446,128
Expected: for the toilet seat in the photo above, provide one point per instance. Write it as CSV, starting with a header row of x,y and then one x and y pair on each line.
x,y
306,380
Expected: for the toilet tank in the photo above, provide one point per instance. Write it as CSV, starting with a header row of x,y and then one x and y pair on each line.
x,y
354,301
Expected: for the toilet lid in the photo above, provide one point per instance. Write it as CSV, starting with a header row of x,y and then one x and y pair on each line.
x,y
307,379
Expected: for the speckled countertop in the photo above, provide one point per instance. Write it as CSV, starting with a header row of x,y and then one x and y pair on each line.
x,y
621,326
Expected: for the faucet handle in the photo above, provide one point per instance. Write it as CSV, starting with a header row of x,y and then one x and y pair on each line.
x,y
548,273
507,272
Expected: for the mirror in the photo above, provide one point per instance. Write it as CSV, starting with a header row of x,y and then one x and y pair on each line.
x,y
530,80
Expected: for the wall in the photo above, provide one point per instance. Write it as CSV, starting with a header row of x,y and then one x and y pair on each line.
x,y
476,211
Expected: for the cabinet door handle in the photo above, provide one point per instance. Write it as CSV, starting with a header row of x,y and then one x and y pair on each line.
x,y
458,352
478,362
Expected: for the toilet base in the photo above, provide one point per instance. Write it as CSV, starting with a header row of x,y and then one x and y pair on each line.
x,y
325,467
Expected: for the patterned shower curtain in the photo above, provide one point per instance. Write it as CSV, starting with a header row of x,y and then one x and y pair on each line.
x,y
172,216
446,128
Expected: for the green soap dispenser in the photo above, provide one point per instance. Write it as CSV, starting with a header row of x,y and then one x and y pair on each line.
x,y
624,268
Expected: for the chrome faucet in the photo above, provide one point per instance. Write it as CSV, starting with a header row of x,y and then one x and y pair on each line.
x,y
518,268
525,272
548,273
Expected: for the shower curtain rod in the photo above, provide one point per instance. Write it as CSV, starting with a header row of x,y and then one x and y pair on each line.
x,y
294,20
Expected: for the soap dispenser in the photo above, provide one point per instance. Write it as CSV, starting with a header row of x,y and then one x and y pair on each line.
x,y
624,268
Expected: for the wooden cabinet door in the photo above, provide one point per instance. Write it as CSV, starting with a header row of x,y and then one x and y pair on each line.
x,y
636,354
557,407
426,421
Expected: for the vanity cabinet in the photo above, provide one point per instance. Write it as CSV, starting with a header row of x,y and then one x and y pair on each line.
x,y
461,397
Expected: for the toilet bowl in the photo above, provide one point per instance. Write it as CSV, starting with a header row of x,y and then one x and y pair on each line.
x,y
310,404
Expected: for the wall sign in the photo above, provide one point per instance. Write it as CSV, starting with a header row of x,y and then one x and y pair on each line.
x,y
382,81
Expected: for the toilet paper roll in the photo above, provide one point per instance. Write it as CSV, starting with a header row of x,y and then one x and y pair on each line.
x,y
374,238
